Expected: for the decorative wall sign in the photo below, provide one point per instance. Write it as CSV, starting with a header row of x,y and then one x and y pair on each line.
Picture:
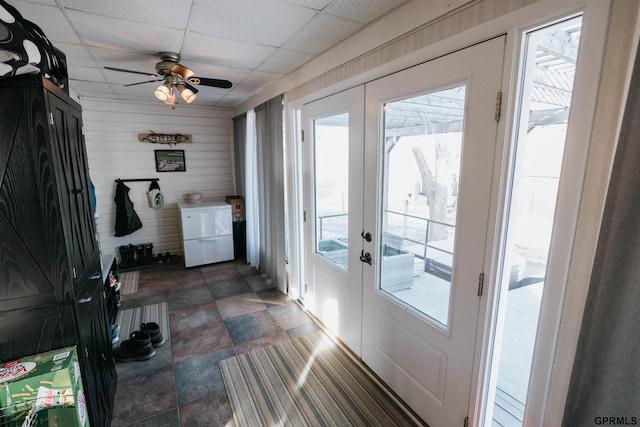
x,y
170,161
164,138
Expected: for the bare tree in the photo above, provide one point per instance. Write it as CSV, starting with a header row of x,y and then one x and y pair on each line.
x,y
436,191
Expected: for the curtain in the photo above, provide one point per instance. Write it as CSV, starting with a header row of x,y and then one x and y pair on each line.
x,y
252,191
239,138
606,372
269,132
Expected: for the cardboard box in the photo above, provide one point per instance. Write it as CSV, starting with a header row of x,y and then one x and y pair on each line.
x,y
49,381
237,207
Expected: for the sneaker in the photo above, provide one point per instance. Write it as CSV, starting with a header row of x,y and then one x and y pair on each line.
x,y
115,331
137,347
153,329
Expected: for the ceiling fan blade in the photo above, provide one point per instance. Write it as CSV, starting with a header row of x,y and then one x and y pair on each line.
x,y
148,81
122,70
224,84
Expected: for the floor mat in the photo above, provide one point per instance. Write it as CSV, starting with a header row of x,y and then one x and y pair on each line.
x,y
129,282
308,381
131,319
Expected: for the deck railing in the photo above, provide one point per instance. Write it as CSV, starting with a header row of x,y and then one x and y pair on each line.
x,y
405,233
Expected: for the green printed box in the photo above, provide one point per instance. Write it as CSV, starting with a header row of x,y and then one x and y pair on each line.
x,y
49,381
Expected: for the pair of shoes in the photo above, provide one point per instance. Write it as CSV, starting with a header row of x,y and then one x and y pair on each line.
x,y
115,331
153,329
137,347
164,259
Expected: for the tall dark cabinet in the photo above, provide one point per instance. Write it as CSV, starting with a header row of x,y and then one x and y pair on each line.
x,y
51,289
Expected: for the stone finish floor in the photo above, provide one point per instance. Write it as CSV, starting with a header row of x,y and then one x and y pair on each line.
x,y
215,312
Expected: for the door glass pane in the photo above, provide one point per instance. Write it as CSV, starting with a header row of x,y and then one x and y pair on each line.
x,y
548,71
331,192
421,167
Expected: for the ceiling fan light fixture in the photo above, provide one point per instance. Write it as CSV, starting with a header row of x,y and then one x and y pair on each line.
x,y
171,99
163,92
187,92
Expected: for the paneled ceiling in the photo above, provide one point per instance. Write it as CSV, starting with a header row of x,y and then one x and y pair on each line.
x,y
252,43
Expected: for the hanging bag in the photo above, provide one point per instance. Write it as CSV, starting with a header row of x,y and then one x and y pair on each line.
x,y
156,199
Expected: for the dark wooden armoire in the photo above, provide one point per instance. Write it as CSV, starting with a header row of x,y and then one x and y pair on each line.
x,y
51,289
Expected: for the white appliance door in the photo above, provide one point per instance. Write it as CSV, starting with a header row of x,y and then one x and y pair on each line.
x,y
215,221
207,250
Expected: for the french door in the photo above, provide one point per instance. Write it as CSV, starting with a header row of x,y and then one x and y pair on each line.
x,y
399,285
332,164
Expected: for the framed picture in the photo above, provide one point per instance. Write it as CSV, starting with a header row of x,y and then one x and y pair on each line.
x,y
170,161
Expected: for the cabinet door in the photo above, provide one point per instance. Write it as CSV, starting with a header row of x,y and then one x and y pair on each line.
x,y
33,260
96,362
74,188
34,330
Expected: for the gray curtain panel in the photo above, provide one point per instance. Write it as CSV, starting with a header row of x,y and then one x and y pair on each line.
x,y
269,132
605,380
239,140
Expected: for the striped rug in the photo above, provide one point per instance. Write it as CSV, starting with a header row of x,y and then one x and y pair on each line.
x,y
131,319
307,381
129,282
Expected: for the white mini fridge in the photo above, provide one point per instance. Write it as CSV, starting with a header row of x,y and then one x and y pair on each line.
x,y
207,232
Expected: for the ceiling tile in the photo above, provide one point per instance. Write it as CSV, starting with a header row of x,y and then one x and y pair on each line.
x,y
90,74
93,87
322,33
208,97
243,91
362,11
259,79
252,43
50,19
137,61
168,13
229,53
76,54
284,61
115,33
314,4
229,101
256,21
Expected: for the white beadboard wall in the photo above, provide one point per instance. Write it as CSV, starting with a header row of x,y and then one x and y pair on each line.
x,y
113,150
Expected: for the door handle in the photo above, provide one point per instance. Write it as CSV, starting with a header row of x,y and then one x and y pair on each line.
x,y
365,257
366,236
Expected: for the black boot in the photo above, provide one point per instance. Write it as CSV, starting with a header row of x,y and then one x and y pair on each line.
x,y
131,260
154,331
124,256
137,347
148,253
139,255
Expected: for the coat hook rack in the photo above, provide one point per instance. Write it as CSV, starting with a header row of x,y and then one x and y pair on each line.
x,y
137,179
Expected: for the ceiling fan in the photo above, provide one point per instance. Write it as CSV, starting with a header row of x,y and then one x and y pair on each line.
x,y
175,76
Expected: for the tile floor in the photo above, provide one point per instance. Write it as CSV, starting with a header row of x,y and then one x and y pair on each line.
x,y
215,312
